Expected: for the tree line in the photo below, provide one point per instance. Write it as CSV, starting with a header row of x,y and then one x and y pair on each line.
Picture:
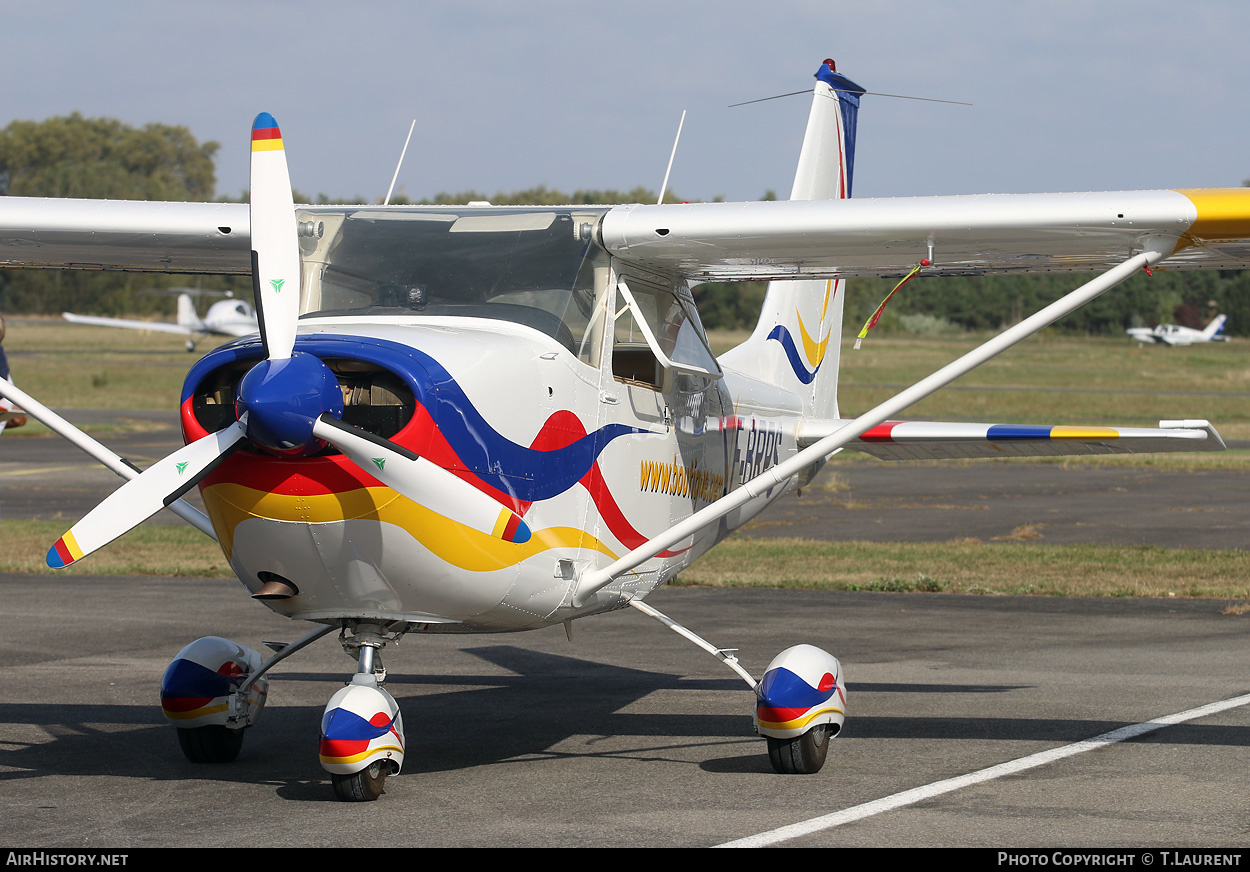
x,y
73,156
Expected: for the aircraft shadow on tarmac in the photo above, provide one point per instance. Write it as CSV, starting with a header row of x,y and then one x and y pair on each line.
x,y
544,701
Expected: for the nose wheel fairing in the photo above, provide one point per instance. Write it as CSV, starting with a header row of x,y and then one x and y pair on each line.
x,y
361,726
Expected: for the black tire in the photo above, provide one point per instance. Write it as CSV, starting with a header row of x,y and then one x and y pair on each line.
x,y
210,744
363,786
802,755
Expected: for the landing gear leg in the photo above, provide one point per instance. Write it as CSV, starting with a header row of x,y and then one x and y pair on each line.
x,y
362,732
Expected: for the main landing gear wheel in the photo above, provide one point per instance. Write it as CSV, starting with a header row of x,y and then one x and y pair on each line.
x,y
363,786
213,744
802,755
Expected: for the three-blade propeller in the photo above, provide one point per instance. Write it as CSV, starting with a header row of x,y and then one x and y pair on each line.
x,y
290,402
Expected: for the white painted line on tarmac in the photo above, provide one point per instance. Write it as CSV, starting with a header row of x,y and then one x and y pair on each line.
x,y
1011,767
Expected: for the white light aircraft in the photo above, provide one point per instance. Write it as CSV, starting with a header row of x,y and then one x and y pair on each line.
x,y
223,318
477,419
1174,334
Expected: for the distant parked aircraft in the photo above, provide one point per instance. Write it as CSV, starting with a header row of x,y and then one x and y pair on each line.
x,y
224,318
1174,334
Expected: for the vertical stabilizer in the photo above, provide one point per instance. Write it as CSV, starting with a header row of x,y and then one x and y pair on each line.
x,y
1215,330
186,312
796,344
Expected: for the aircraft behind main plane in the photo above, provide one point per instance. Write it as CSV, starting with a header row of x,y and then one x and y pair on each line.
x,y
223,318
1175,334
477,419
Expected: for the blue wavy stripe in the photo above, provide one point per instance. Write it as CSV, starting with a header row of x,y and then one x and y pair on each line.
x,y
524,473
782,689
188,679
782,335
342,726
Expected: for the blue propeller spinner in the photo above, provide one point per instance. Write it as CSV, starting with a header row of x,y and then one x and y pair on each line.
x,y
284,398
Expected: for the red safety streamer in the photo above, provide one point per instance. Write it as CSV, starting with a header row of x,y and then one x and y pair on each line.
x,y
872,322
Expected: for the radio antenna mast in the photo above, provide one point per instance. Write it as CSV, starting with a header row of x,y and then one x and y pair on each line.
x,y
387,202
664,185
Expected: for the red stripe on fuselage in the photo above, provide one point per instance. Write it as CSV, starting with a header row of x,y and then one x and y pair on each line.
x,y
337,474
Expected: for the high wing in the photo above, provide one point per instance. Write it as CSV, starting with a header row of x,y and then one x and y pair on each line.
x,y
940,440
129,324
189,238
961,235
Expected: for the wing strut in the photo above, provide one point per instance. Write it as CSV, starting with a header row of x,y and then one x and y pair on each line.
x,y
1154,250
110,459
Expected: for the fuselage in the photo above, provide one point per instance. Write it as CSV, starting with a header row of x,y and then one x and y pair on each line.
x,y
1175,334
229,318
575,426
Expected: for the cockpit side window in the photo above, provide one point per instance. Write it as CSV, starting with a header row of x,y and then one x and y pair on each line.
x,y
673,321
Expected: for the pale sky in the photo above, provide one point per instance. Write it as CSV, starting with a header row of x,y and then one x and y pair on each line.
x,y
1090,95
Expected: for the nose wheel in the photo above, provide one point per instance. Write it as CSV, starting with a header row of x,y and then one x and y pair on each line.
x,y
364,786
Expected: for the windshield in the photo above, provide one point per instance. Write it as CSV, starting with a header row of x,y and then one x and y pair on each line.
x,y
535,266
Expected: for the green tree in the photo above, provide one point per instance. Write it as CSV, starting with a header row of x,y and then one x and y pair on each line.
x,y
73,156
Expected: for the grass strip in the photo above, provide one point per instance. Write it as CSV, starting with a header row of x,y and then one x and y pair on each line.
x,y
149,549
972,566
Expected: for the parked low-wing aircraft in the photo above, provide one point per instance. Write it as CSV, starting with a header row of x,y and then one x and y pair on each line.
x,y
1175,334
477,419
223,318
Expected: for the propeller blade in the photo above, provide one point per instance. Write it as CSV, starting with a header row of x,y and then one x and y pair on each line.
x,y
145,495
275,245
422,481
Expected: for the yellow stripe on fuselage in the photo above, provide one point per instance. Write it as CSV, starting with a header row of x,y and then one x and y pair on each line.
x,y
229,505
267,145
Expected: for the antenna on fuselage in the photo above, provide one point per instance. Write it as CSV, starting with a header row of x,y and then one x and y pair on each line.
x,y
411,127
677,139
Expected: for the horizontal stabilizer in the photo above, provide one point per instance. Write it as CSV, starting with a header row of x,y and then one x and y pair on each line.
x,y
942,440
